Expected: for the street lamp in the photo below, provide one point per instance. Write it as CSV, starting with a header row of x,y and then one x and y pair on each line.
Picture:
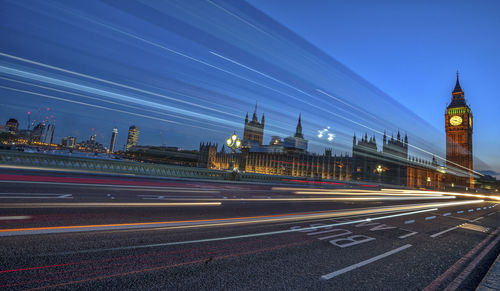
x,y
379,171
233,142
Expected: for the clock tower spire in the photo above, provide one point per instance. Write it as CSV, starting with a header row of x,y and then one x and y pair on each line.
x,y
458,126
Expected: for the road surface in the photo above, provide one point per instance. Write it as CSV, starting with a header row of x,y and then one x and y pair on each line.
x,y
77,231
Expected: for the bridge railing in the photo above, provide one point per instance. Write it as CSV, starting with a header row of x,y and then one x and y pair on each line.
x,y
39,160
96,165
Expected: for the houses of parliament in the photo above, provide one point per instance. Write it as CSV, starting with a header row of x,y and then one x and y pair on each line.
x,y
389,163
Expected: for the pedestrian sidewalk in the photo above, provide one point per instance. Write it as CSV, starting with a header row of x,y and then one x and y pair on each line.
x,y
491,281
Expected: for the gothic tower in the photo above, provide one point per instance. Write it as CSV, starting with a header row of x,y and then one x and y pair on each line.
x,y
458,126
254,130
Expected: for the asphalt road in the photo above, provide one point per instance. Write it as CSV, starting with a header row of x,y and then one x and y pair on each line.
x,y
75,231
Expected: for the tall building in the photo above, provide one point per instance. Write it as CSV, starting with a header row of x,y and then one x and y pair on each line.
x,y
253,132
38,132
112,144
49,134
133,137
458,126
11,125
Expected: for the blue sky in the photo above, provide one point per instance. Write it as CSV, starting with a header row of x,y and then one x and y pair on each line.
x,y
188,71
411,50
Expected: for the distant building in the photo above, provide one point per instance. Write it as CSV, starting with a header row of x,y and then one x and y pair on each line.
x,y
49,134
253,131
68,142
91,145
38,131
296,143
114,136
133,137
25,134
11,125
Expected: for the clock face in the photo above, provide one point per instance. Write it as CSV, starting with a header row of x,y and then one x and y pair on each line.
x,y
455,120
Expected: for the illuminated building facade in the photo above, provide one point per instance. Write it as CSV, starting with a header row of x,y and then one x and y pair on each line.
x,y
114,136
458,126
11,125
391,165
253,132
133,137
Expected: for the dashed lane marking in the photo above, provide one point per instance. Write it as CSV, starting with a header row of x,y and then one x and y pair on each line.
x,y
18,217
410,221
408,234
430,217
364,263
444,231
489,214
479,218
461,211
447,214
470,210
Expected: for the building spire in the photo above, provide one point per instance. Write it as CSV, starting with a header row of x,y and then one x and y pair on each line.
x,y
457,89
298,130
254,117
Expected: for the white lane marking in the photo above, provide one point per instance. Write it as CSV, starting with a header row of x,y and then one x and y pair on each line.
x,y
19,195
320,232
447,214
461,211
19,217
408,234
489,214
118,186
470,210
410,221
154,197
474,227
430,217
479,218
363,263
444,231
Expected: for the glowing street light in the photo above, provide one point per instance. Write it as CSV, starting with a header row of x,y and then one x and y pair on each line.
x,y
234,143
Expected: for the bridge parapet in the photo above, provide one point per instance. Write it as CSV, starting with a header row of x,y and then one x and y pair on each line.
x,y
46,161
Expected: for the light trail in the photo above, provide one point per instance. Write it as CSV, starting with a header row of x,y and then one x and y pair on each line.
x,y
100,107
106,204
113,95
241,236
239,18
100,100
455,194
235,220
113,83
318,199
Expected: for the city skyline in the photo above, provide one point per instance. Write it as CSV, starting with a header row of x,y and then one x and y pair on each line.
x,y
174,67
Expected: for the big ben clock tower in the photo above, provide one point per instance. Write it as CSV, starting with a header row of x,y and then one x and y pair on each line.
x,y
458,125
